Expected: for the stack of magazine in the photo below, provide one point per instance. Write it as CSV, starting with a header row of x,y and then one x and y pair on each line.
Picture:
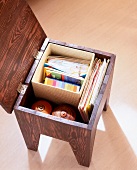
x,y
92,87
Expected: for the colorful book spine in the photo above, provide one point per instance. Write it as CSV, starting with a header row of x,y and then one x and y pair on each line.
x,y
51,73
61,85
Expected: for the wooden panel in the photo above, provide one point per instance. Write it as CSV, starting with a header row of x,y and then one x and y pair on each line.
x,y
20,36
79,138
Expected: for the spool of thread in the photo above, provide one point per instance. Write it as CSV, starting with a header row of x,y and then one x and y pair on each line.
x,y
65,111
42,106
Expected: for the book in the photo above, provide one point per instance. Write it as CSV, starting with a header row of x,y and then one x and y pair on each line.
x,y
91,81
92,90
71,59
99,81
53,73
87,88
72,68
87,108
61,85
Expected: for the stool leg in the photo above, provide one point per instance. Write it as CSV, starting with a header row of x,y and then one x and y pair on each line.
x,y
81,148
107,99
30,133
106,104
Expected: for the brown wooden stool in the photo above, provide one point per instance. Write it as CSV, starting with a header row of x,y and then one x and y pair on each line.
x,y
21,38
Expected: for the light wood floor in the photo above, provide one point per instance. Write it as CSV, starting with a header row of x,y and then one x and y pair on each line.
x,y
101,24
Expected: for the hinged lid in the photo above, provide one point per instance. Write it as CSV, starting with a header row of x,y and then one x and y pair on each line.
x,y
20,36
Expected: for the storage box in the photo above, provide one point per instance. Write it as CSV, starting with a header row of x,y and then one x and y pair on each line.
x,y
23,43
58,95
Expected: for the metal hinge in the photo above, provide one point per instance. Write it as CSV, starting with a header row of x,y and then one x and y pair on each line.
x,y
22,88
38,55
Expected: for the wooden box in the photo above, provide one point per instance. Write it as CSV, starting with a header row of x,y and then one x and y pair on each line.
x,y
23,43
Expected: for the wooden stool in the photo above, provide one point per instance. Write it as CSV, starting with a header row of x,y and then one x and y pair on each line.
x,y
21,39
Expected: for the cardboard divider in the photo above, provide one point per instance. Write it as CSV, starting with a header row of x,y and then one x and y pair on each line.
x,y
55,94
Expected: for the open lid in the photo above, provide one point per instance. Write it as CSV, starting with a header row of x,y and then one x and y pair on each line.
x,y
20,36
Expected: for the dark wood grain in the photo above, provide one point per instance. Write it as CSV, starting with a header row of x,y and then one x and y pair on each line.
x,y
20,35
80,136
33,125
